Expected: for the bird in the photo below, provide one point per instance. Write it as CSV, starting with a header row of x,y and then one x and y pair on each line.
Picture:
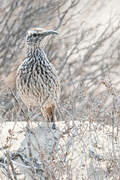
x,y
37,82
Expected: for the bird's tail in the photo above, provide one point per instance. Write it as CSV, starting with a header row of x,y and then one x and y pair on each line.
x,y
48,114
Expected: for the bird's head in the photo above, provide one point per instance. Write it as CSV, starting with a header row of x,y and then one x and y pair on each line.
x,y
36,35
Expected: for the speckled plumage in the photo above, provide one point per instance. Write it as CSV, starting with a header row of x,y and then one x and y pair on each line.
x,y
36,80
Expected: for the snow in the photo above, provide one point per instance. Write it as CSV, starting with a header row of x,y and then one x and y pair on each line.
x,y
90,146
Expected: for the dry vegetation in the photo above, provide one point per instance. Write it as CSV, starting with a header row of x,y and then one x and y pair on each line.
x,y
87,60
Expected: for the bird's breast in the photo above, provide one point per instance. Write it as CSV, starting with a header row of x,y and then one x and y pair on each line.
x,y
36,80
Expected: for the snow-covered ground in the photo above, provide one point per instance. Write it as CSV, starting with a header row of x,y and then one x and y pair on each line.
x,y
92,149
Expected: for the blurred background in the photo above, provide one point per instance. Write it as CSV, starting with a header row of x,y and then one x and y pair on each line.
x,y
86,55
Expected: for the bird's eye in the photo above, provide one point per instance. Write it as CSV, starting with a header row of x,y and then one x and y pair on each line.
x,y
34,35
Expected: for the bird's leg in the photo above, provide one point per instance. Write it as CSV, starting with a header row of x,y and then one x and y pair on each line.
x,y
30,111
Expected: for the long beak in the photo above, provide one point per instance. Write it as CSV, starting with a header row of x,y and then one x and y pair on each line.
x,y
48,32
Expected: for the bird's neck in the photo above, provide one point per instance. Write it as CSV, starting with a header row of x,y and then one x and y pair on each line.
x,y
37,54
35,51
